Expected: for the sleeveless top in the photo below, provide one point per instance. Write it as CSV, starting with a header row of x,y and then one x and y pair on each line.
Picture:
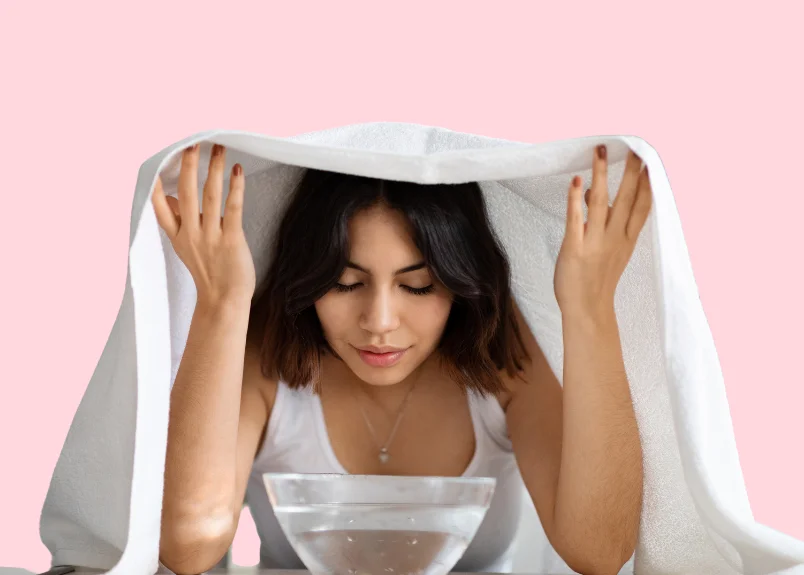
x,y
296,441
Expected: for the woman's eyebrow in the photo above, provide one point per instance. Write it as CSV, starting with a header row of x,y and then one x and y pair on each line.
x,y
411,268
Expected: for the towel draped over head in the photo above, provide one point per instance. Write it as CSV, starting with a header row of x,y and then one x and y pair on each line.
x,y
103,506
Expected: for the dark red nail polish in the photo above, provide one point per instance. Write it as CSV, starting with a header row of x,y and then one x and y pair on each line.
x,y
238,170
601,152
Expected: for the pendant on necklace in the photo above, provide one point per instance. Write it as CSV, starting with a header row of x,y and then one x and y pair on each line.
x,y
384,457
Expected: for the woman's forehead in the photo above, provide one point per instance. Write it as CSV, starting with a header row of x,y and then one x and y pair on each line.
x,y
380,225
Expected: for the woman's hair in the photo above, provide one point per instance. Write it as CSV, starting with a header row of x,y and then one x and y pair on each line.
x,y
449,226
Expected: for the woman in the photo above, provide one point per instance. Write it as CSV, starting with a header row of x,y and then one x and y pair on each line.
x,y
391,301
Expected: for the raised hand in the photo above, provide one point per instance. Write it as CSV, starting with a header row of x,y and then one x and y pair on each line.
x,y
594,254
213,248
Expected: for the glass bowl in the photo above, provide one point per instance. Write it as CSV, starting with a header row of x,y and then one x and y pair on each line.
x,y
379,524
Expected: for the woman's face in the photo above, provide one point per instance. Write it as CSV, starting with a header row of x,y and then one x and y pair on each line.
x,y
387,314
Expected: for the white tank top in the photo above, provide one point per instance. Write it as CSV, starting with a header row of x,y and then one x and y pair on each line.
x,y
296,441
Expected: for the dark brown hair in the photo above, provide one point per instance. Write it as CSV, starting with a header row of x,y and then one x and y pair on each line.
x,y
451,229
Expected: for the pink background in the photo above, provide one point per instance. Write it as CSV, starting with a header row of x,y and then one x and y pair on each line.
x,y
91,90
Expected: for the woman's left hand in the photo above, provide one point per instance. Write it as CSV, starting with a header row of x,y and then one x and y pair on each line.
x,y
594,254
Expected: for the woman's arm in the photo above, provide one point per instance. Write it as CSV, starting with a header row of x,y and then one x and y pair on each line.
x,y
584,467
217,415
218,412
580,455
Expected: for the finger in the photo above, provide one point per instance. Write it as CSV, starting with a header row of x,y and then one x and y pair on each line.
x,y
233,218
174,205
598,192
641,208
586,196
586,201
164,214
213,189
626,195
188,187
575,224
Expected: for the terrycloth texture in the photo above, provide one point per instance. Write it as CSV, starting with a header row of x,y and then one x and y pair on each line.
x,y
103,506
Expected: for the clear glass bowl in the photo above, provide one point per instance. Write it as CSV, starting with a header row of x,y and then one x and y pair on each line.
x,y
377,524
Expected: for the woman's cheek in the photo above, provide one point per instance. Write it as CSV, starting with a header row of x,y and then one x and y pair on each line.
x,y
435,311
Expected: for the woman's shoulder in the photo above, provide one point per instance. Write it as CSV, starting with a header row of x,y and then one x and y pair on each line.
x,y
491,412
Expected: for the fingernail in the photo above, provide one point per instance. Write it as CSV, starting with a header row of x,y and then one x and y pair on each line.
x,y
576,181
216,149
601,152
238,170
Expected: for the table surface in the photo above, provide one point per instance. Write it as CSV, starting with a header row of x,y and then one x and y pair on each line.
x,y
227,571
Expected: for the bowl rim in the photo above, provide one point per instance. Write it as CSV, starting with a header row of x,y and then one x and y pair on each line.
x,y
443,480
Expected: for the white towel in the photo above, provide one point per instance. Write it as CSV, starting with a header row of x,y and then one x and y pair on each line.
x,y
103,506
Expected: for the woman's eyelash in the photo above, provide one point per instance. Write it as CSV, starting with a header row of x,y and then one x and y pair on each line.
x,y
345,288
420,291
415,291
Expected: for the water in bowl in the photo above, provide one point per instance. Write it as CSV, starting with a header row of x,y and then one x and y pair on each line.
x,y
380,539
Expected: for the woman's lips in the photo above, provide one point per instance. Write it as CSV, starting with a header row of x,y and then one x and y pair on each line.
x,y
381,359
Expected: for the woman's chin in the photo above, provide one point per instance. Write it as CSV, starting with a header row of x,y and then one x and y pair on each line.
x,y
380,376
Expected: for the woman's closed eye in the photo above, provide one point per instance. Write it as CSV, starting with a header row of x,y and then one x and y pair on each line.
x,y
415,291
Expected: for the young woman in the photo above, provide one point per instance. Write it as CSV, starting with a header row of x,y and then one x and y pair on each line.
x,y
386,341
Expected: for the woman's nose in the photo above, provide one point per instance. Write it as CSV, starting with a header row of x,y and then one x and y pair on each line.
x,y
380,314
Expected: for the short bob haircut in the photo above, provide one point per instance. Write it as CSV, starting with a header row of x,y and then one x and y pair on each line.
x,y
451,229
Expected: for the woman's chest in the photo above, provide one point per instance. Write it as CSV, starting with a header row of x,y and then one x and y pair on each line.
x,y
431,434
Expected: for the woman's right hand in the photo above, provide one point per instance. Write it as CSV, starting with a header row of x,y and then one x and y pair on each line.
x,y
213,248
